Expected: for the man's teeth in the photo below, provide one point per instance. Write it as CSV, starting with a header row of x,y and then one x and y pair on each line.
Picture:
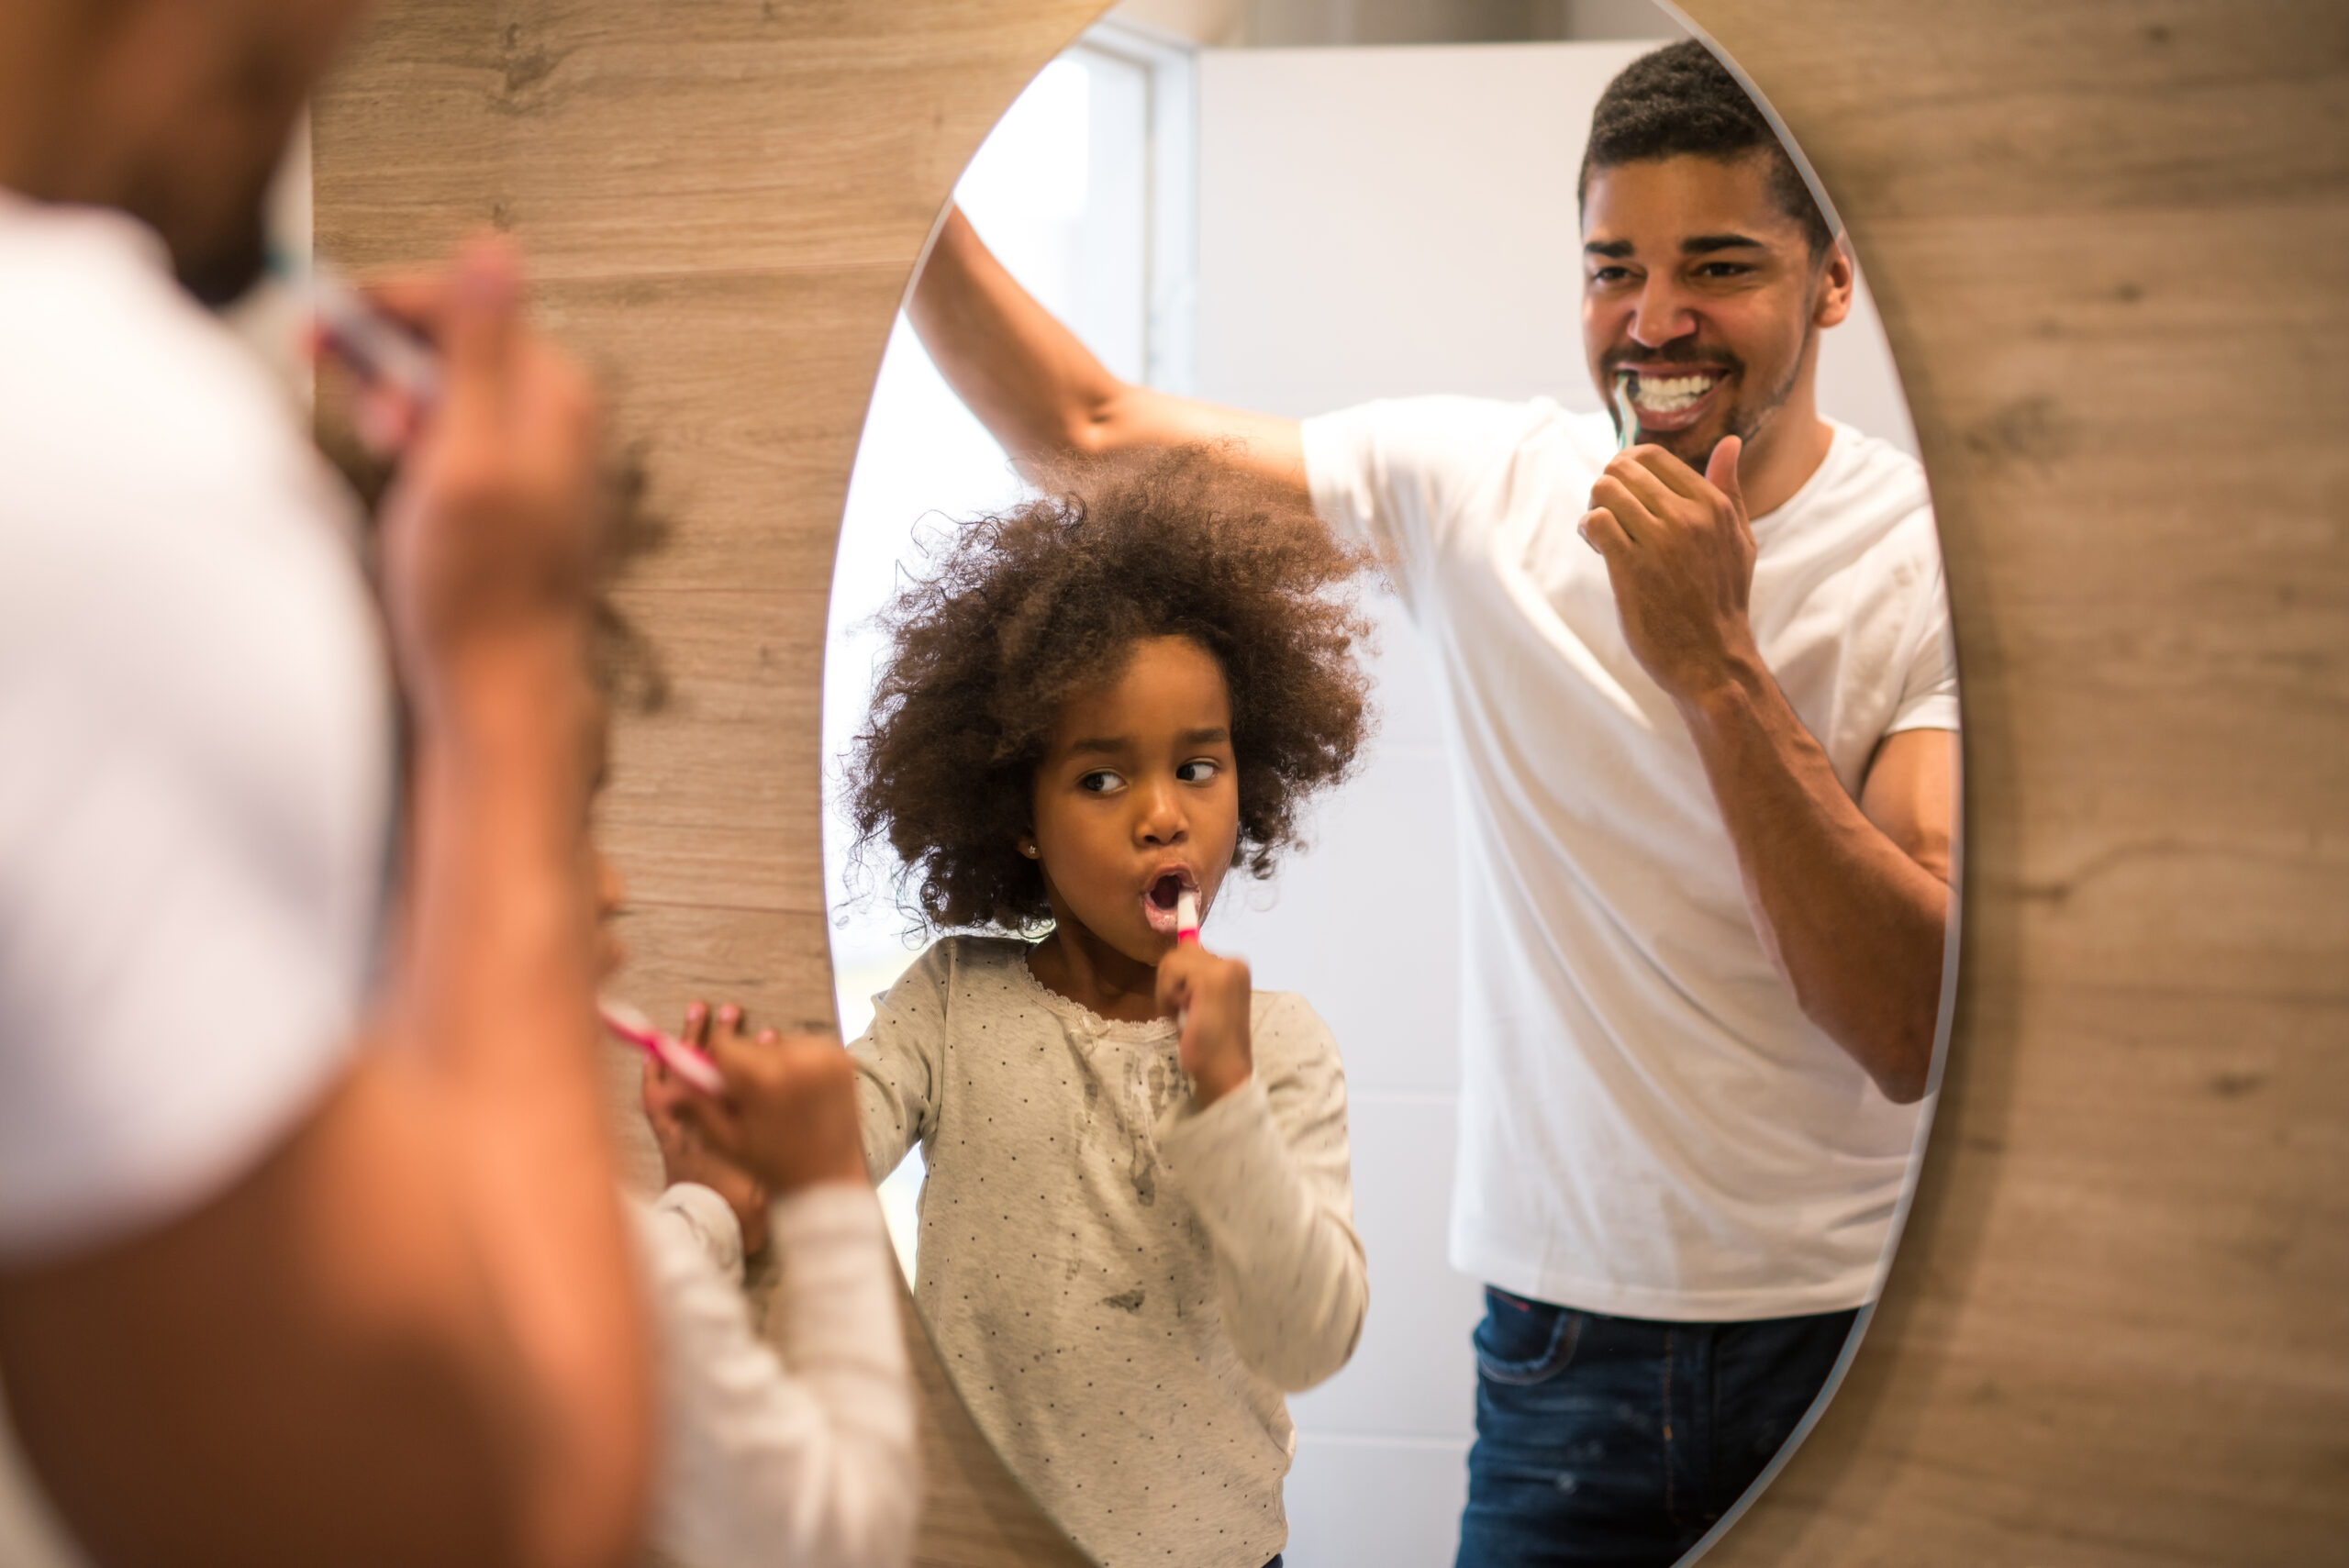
x,y
1670,396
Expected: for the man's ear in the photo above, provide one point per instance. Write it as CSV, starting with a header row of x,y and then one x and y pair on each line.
x,y
1838,274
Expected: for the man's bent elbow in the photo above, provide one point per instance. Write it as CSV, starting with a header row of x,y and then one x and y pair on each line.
x,y
1898,1056
1099,427
1903,1087
1903,1073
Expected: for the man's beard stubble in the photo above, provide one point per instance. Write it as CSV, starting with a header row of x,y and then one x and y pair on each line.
x,y
224,270
217,262
226,273
1747,417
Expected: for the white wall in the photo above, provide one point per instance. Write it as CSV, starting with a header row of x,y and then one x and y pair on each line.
x,y
1378,222
1060,189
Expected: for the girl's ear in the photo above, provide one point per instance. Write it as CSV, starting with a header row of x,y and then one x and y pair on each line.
x,y
1028,846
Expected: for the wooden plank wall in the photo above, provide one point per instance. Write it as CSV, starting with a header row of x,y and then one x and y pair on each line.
x,y
721,201
2106,240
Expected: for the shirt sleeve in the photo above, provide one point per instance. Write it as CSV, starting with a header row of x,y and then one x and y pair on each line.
x,y
804,1457
1267,1170
195,808
896,1062
1928,681
1398,475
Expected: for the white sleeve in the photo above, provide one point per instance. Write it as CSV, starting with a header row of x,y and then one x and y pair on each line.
x,y
1396,473
805,1457
1929,680
897,1060
1267,1170
194,804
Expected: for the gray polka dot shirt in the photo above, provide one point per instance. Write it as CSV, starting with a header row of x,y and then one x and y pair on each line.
x,y
1121,1285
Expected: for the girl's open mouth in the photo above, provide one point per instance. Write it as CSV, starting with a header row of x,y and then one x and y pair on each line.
x,y
1160,899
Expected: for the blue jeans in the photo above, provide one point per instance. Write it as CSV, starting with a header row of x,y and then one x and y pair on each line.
x,y
1617,1443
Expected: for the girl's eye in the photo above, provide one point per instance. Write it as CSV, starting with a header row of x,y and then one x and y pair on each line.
x,y
1198,772
1100,781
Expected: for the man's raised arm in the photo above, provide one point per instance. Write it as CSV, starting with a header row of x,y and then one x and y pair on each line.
x,y
1041,393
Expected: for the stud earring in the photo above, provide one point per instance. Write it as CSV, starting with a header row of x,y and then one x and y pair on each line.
x,y
1028,849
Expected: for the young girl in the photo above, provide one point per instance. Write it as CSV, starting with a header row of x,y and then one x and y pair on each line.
x,y
1136,1229
801,1452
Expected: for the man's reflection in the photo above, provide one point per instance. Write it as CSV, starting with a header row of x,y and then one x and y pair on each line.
x,y
1703,705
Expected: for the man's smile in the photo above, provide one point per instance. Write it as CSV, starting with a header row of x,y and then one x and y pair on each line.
x,y
1669,398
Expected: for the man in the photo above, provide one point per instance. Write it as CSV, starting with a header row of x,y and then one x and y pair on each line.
x,y
1702,699
299,1265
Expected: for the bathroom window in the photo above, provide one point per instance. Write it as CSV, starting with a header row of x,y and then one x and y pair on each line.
x,y
1085,191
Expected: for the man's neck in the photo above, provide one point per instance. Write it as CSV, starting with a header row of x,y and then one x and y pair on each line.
x,y
1783,456
43,56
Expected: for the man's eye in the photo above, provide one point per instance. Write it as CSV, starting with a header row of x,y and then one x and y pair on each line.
x,y
1100,781
1723,270
1609,274
1198,772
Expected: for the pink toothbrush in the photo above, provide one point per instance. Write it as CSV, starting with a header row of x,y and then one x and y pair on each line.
x,y
1187,930
673,1053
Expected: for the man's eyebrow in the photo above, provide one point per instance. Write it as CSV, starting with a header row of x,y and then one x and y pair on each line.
x,y
1613,249
1706,244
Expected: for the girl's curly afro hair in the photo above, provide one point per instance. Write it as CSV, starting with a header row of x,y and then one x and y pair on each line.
x,y
1023,609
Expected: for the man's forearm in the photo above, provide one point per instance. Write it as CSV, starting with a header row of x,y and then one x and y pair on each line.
x,y
499,1009
1041,393
1038,390
1852,922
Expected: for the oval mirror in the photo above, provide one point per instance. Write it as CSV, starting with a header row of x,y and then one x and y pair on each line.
x,y
1527,1206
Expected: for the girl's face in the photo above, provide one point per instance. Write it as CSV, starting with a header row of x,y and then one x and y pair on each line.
x,y
1137,797
611,896
603,877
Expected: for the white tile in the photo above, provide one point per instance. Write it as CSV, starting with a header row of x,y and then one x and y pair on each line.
x,y
1364,923
1414,1374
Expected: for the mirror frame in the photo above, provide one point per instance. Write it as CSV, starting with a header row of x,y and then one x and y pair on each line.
x,y
2113,1320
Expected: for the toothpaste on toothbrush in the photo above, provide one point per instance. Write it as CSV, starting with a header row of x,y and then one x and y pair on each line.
x,y
1187,930
1627,418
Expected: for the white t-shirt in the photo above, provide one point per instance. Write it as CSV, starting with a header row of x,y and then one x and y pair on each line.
x,y
195,721
1649,1126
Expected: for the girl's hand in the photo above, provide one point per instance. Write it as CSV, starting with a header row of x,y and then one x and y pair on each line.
x,y
1212,995
788,1117
686,1155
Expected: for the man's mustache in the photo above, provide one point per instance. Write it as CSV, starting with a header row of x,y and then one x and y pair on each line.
x,y
1674,353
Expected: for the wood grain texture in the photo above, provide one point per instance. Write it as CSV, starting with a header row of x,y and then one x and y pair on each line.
x,y
722,201
2106,243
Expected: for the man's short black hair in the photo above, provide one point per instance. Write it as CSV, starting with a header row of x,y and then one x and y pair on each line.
x,y
1679,99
